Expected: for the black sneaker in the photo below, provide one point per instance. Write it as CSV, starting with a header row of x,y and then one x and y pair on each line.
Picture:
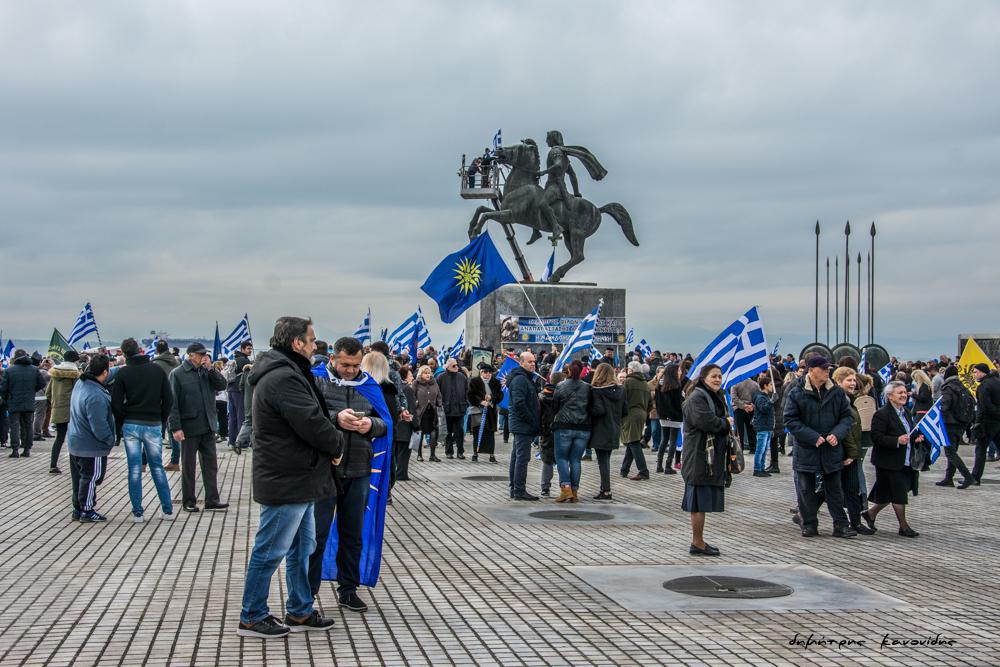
x,y
354,603
311,622
844,531
26,454
218,507
55,471
524,496
75,516
191,508
92,517
266,628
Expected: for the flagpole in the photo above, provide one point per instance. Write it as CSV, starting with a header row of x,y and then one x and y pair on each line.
x,y
828,301
96,330
816,319
537,316
858,309
847,282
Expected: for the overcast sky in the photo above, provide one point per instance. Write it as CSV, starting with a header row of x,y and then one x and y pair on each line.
x,y
181,163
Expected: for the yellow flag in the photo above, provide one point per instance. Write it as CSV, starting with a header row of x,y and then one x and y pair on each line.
x,y
972,355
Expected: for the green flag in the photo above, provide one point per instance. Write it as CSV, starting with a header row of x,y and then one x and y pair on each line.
x,y
58,346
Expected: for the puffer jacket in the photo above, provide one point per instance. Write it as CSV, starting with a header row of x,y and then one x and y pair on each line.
x,y
357,460
19,383
294,441
91,431
704,417
607,409
60,388
637,400
809,417
763,411
572,402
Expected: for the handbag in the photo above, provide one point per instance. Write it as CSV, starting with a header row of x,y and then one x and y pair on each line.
x,y
734,456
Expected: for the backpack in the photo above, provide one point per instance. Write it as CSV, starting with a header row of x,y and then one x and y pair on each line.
x,y
964,408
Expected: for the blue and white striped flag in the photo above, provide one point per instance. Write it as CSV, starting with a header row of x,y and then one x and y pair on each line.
x,y
6,352
886,373
644,348
582,338
456,350
549,267
862,364
231,343
401,337
932,426
86,346
497,140
364,332
151,350
423,333
740,351
384,335
595,353
774,352
85,325
630,337
442,357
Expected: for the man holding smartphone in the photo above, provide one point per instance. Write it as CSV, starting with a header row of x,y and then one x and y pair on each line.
x,y
354,416
194,422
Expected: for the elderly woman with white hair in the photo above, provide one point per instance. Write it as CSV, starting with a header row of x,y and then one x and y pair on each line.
x,y
897,458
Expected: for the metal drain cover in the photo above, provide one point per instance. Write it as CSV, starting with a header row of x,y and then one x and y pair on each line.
x,y
727,587
487,478
570,515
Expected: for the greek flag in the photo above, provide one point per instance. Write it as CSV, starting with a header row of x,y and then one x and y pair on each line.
x,y
384,334
932,426
861,364
7,351
402,336
85,325
496,140
886,373
459,346
582,338
774,352
423,333
630,338
442,358
151,350
595,353
86,346
644,348
231,343
549,267
364,332
740,351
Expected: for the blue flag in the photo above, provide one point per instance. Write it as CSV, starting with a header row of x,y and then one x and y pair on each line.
x,y
217,344
378,492
464,277
933,428
509,364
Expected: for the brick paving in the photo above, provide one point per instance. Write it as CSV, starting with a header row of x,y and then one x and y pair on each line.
x,y
461,588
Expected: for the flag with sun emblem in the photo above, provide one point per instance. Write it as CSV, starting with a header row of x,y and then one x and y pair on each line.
x,y
466,276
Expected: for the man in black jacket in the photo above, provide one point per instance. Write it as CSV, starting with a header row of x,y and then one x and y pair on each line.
x,y
987,428
236,413
20,382
525,423
359,424
956,419
454,386
294,444
818,416
194,422
141,402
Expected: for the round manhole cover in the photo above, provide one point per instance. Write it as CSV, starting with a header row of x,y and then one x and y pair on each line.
x,y
487,478
727,587
570,515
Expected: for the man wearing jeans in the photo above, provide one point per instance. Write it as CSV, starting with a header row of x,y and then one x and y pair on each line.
x,y
525,423
194,422
141,400
295,442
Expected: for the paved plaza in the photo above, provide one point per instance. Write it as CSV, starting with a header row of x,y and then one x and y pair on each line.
x,y
465,581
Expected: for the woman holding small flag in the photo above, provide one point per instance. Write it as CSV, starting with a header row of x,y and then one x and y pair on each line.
x,y
894,457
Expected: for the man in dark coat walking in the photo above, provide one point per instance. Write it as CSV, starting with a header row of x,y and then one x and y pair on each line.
x,y
18,386
294,444
525,422
987,428
818,416
454,395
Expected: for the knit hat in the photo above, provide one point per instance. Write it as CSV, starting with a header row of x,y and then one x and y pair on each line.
x,y
950,372
982,368
71,356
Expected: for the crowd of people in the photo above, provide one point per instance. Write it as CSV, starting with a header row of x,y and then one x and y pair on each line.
x,y
303,408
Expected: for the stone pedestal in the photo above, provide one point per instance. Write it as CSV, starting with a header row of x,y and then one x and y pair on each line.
x,y
505,319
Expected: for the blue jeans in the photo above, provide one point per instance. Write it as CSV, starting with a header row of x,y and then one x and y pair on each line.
x,y
145,439
569,446
760,455
655,434
285,532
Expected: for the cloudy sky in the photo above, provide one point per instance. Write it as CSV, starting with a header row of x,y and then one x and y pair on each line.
x,y
178,163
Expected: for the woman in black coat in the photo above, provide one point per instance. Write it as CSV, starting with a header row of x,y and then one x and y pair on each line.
x,y
669,399
607,408
897,462
404,431
703,454
485,393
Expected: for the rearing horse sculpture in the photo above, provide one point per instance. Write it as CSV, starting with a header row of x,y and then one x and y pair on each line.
x,y
524,203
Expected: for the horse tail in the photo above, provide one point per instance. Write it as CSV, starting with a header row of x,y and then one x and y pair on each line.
x,y
624,220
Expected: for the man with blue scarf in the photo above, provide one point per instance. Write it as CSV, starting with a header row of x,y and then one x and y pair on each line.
x,y
357,408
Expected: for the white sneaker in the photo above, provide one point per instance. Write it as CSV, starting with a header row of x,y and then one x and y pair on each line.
x,y
138,518
167,517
